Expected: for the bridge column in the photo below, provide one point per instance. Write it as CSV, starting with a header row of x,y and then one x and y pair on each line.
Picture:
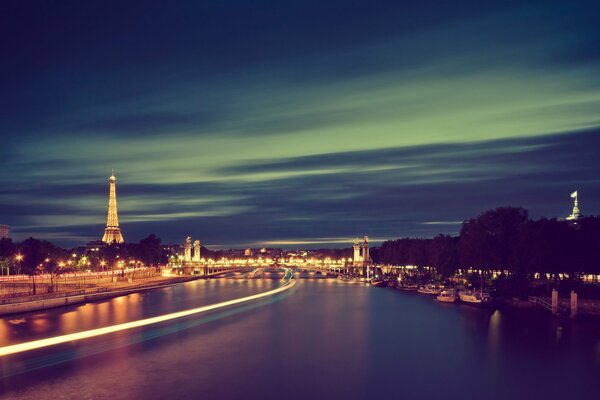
x,y
573,304
187,249
554,301
196,251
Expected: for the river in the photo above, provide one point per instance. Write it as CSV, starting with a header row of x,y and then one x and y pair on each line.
x,y
322,339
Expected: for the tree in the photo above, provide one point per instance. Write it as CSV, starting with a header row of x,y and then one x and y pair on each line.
x,y
7,248
5,264
487,242
587,245
149,250
443,250
39,255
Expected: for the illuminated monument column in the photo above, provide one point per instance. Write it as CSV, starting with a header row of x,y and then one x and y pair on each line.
x,y
366,256
196,251
112,232
357,258
576,213
187,250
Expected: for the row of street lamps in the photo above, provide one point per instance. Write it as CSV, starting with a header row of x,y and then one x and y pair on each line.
x,y
18,258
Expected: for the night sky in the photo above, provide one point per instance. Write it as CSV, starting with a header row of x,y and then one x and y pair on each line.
x,y
294,123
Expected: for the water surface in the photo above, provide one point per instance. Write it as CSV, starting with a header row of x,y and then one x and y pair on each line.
x,y
322,339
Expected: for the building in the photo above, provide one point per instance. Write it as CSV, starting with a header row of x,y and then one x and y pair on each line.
x,y
4,231
112,232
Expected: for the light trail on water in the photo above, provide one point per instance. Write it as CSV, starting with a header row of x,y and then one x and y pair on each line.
x,y
41,343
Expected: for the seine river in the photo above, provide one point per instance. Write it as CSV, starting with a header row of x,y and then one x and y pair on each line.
x,y
322,339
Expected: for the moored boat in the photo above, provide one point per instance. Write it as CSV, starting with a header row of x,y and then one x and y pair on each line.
x,y
448,296
430,289
378,282
407,286
473,297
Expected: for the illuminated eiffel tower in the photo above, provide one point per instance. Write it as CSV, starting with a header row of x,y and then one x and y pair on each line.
x,y
112,233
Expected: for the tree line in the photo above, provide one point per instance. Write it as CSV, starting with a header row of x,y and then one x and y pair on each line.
x,y
505,239
34,256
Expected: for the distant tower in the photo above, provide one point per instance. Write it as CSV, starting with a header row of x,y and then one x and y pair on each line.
x,y
366,256
576,213
197,250
357,257
4,231
112,233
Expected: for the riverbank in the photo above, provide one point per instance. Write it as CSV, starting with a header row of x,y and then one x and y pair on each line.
x,y
586,308
52,300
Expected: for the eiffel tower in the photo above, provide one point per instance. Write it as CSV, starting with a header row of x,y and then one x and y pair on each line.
x,y
112,233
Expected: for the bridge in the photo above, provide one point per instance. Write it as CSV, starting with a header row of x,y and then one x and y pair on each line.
x,y
211,268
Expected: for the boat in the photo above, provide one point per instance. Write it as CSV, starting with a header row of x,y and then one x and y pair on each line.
x,y
411,287
378,282
473,297
430,289
448,296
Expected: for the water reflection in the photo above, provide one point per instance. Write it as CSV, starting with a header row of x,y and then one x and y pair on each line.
x,y
494,333
122,309
323,339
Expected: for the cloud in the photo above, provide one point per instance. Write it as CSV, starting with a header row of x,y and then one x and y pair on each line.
x,y
297,121
433,187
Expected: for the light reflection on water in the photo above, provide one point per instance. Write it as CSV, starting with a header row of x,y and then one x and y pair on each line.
x,y
323,339
123,309
494,334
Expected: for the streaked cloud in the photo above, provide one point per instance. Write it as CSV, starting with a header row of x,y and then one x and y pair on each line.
x,y
389,119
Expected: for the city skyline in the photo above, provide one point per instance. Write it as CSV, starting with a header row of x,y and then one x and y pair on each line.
x,y
287,130
305,199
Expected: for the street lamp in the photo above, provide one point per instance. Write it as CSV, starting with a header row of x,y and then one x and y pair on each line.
x,y
18,258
